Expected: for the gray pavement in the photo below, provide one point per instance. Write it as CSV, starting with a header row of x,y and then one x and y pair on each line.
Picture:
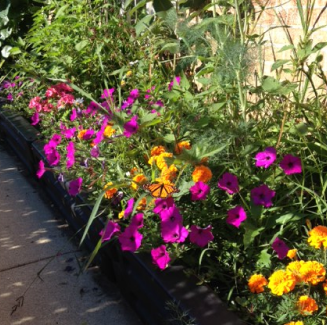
x,y
37,285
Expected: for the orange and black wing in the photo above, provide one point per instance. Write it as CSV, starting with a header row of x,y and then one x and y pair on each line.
x,y
160,190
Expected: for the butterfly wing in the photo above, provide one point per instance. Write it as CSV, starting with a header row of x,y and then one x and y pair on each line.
x,y
160,190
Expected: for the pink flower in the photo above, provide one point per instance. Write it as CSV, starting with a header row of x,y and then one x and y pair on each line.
x,y
175,81
173,233
41,169
51,92
280,247
75,186
199,191
91,109
137,221
108,93
236,216
160,257
130,239
66,99
53,157
35,102
171,216
291,165
265,158
134,93
131,127
129,208
88,134
95,152
73,115
56,139
111,229
163,204
70,155
262,195
35,118
10,97
229,183
63,88
201,236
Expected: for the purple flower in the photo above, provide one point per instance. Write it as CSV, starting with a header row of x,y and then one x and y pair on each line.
x,y
91,109
41,169
10,97
134,93
107,93
163,204
68,133
130,239
236,216
73,115
137,221
111,229
99,135
171,216
70,155
173,233
175,81
280,247
56,139
95,152
129,208
291,165
262,195
229,183
199,191
131,127
265,158
88,134
160,257
75,186
53,157
201,236
35,118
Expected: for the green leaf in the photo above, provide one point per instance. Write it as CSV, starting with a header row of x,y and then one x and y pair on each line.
x,y
15,50
289,217
169,138
162,5
319,46
61,11
79,46
278,64
143,24
286,47
273,86
171,47
250,233
264,259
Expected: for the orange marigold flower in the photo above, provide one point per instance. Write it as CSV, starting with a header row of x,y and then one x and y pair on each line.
x,y
318,237
295,323
168,175
256,283
312,272
201,174
307,305
142,205
182,145
161,162
81,133
110,192
139,179
133,170
292,253
295,269
156,151
109,131
324,286
281,282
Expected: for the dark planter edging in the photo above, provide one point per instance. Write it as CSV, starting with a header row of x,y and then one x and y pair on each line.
x,y
159,297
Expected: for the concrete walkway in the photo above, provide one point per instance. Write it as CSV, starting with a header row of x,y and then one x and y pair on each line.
x,y
37,285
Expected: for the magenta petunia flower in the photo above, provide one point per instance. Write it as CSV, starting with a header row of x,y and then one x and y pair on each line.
x,y
131,127
134,93
95,152
56,138
229,183
280,247
75,186
68,133
163,204
291,165
53,157
111,229
175,81
70,155
160,257
171,216
199,191
88,134
130,239
266,157
137,221
129,208
201,236
41,169
236,216
262,195
10,97
107,93
73,115
35,118
99,135
91,109
173,232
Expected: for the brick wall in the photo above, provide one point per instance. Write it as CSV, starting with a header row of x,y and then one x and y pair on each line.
x,y
288,12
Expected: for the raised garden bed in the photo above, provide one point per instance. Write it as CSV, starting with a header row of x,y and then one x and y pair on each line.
x,y
159,297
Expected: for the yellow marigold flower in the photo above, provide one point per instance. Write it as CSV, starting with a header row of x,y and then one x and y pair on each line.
x,y
139,179
312,272
324,286
111,192
295,323
142,205
256,283
307,305
291,253
168,174
81,133
318,237
161,162
129,73
182,145
157,150
122,83
201,173
121,214
281,282
109,131
295,269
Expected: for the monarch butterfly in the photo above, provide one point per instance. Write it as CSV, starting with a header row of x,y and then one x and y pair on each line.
x,y
160,189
